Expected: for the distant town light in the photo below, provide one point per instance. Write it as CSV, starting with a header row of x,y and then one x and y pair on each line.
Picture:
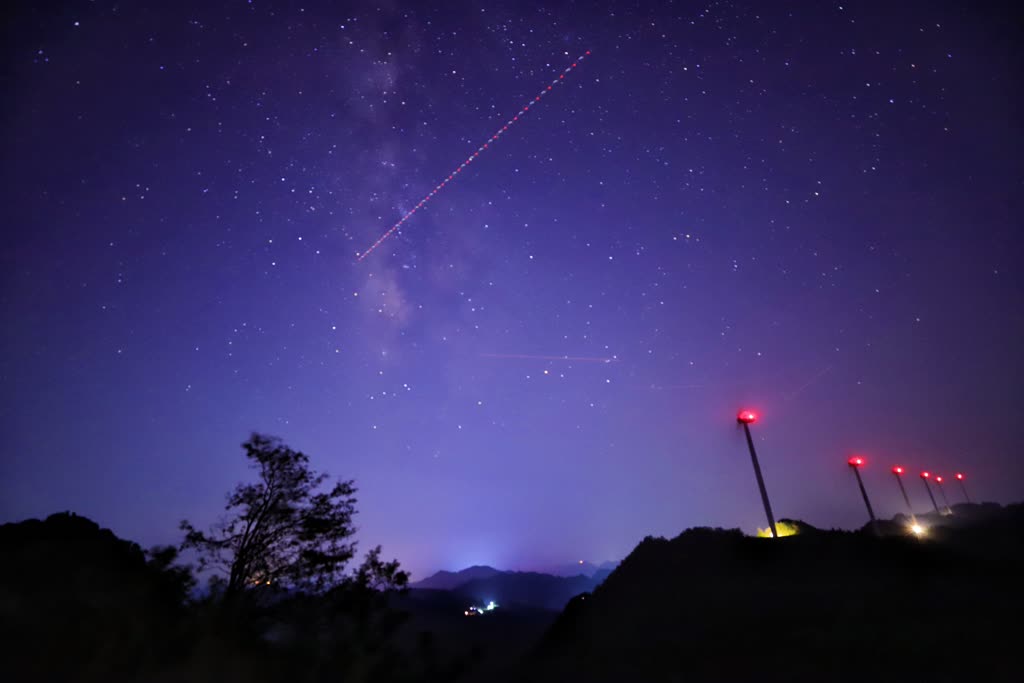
x,y
475,611
917,529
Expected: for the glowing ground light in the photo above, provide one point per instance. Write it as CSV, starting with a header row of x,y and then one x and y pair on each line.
x,y
451,176
916,529
784,529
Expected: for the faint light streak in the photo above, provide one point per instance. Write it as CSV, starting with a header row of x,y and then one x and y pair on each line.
x,y
821,373
527,356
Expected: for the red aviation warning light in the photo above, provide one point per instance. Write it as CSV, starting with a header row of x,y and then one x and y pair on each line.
x,y
925,476
898,471
942,492
856,462
963,487
747,417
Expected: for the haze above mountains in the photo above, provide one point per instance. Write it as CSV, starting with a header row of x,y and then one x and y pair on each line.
x,y
542,590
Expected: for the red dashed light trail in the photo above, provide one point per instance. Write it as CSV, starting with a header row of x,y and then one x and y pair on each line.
x,y
451,176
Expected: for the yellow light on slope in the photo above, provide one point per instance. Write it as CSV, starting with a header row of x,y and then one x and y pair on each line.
x,y
783,528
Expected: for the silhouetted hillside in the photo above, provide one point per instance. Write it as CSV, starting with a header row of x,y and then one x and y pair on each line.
x,y
582,567
713,605
78,603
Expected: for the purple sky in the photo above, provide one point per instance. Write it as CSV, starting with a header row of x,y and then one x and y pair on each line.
x,y
812,209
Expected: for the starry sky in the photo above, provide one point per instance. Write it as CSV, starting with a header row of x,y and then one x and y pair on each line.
x,y
811,209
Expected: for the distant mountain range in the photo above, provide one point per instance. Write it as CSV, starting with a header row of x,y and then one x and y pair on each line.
x,y
446,581
481,584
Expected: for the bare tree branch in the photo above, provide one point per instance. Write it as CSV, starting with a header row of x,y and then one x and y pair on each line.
x,y
285,529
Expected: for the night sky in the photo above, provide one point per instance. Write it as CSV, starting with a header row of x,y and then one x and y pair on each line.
x,y
807,208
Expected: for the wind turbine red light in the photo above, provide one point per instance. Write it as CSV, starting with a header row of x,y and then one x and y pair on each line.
x,y
898,470
959,476
926,474
747,417
856,461
938,480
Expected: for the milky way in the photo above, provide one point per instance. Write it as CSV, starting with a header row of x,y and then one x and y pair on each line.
x,y
806,209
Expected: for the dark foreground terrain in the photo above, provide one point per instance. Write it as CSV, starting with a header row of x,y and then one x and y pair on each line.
x,y
714,605
79,604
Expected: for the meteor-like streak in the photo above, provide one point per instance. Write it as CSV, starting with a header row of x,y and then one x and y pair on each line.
x,y
527,356
821,373
451,176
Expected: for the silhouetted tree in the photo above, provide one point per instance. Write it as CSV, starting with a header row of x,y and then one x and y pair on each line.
x,y
287,529
176,581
